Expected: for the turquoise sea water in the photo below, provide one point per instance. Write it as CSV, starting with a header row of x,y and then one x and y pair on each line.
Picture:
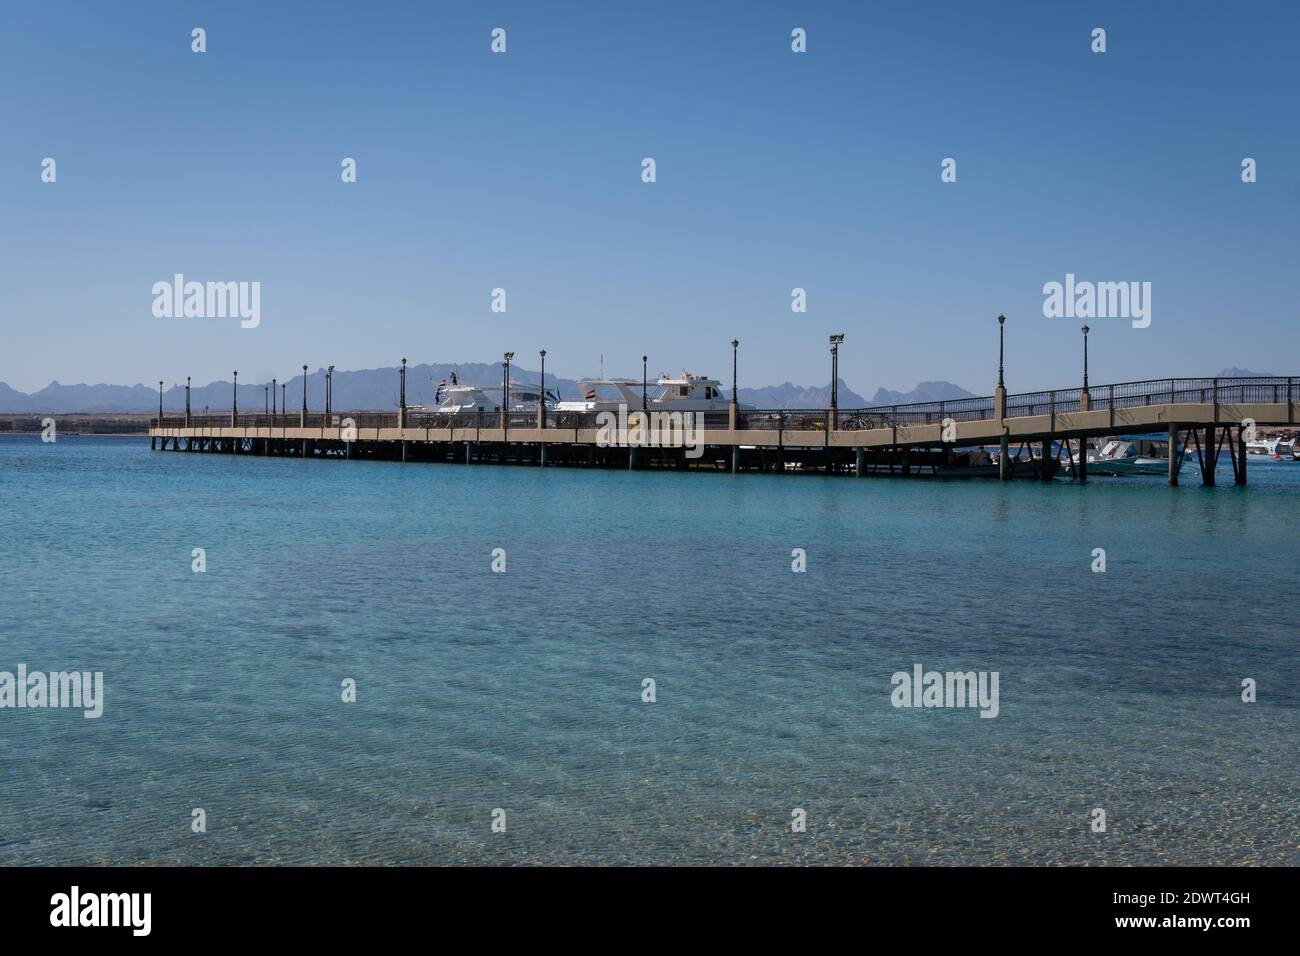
x,y
522,691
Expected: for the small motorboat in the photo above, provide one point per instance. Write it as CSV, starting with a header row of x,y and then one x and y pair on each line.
x,y
1135,455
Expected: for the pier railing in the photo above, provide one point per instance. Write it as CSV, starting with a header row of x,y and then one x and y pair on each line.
x,y
923,413
863,419
1259,389
1052,402
783,419
443,420
556,419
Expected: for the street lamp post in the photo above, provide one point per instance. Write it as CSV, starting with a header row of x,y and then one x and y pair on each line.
x,y
284,399
329,391
1000,406
234,402
505,389
735,344
266,399
733,408
644,384
273,385
1085,405
1002,321
160,403
401,401
1085,357
304,393
835,341
541,397
187,400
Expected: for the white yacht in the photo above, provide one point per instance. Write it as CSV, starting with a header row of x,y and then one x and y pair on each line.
x,y
687,393
453,398
1275,447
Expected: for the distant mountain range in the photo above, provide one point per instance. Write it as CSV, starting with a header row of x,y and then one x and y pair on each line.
x,y
377,390
1241,373
789,395
925,392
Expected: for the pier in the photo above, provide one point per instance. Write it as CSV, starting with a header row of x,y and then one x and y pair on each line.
x,y
1211,417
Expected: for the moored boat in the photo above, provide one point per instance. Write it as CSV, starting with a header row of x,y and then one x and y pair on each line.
x,y
1135,455
1278,447
684,393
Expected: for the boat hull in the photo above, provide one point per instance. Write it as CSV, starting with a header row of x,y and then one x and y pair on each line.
x,y
1135,465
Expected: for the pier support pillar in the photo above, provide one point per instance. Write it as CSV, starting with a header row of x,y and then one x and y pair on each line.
x,y
631,458
1175,459
469,452
1083,459
153,442
735,459
304,448
545,456
1240,475
347,450
1004,466
860,463
403,444
1211,458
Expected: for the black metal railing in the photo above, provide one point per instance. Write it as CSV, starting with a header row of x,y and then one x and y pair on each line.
x,y
1260,389
1254,390
442,420
519,419
1054,402
783,419
556,419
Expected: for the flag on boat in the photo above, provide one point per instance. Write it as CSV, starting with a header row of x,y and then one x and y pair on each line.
x,y
591,394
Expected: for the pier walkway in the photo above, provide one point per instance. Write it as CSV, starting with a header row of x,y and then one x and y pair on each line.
x,y
1206,416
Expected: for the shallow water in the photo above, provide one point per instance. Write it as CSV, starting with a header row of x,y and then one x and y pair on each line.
x,y
522,691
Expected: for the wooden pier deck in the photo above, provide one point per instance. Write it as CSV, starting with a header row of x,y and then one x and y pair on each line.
x,y
1208,416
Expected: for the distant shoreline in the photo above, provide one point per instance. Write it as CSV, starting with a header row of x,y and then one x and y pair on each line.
x,y
66,433
77,424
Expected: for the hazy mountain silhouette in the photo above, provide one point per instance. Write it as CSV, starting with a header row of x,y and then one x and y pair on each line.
x,y
925,392
789,395
377,390
1241,373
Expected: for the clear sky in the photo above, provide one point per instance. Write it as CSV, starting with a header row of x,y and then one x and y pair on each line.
x,y
522,170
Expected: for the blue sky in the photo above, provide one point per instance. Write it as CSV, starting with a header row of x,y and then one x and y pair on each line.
x,y
522,171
